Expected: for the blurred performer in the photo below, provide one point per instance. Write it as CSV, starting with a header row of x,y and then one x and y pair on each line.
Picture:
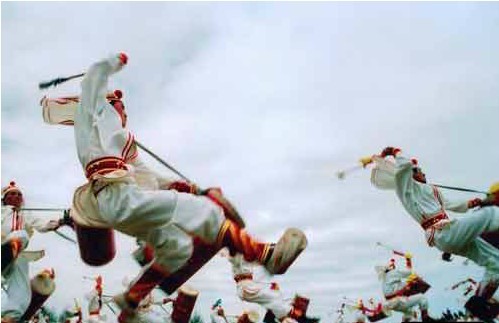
x,y
396,285
248,316
486,313
266,295
17,229
457,235
217,314
173,223
95,302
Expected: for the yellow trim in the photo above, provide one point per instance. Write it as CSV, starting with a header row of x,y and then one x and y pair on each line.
x,y
222,232
265,253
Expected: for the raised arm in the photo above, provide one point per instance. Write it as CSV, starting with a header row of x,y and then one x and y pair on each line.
x,y
403,170
94,84
48,222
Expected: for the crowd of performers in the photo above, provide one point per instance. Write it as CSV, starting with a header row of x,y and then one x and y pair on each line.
x,y
179,227
474,236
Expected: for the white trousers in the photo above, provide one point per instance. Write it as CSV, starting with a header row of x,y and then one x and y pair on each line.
x,y
152,316
406,304
17,293
253,292
462,237
165,219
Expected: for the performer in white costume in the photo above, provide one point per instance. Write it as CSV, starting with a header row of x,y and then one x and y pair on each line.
x,y
217,314
166,219
147,310
17,228
95,303
266,295
458,235
395,285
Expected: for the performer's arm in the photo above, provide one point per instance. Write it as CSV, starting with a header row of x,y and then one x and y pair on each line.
x,y
403,169
94,84
403,172
456,206
49,222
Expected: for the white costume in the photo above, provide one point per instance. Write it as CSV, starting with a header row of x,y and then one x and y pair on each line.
x,y
215,318
166,219
16,291
94,308
148,313
147,310
253,292
458,235
395,281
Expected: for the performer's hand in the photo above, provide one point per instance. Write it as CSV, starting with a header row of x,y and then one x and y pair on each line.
x,y
474,203
408,255
490,200
123,58
366,161
66,219
184,187
389,151
52,225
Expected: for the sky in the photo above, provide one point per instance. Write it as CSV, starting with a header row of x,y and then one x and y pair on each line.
x,y
266,100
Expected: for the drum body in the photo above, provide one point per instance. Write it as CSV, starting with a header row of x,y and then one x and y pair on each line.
x,y
97,245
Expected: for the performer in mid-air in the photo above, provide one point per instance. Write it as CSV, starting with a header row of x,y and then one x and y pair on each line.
x,y
397,290
168,220
426,204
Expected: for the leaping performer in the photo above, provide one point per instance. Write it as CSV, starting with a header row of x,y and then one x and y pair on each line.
x,y
403,290
267,295
175,224
470,285
95,302
217,314
426,204
181,309
22,297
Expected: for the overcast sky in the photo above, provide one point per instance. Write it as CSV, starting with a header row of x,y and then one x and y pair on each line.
x,y
267,101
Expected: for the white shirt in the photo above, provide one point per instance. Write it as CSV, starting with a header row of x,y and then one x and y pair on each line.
x,y
419,199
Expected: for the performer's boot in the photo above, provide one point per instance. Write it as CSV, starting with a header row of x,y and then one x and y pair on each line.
x,y
151,276
144,254
479,307
487,289
276,258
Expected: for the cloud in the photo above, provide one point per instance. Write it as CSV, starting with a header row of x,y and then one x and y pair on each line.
x,y
267,101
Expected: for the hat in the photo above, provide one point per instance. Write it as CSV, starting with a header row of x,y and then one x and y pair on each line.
x,y
494,188
10,188
414,163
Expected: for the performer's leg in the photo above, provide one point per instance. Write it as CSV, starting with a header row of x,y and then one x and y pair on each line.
x,y
421,301
14,243
17,296
205,220
487,256
276,258
462,238
467,228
